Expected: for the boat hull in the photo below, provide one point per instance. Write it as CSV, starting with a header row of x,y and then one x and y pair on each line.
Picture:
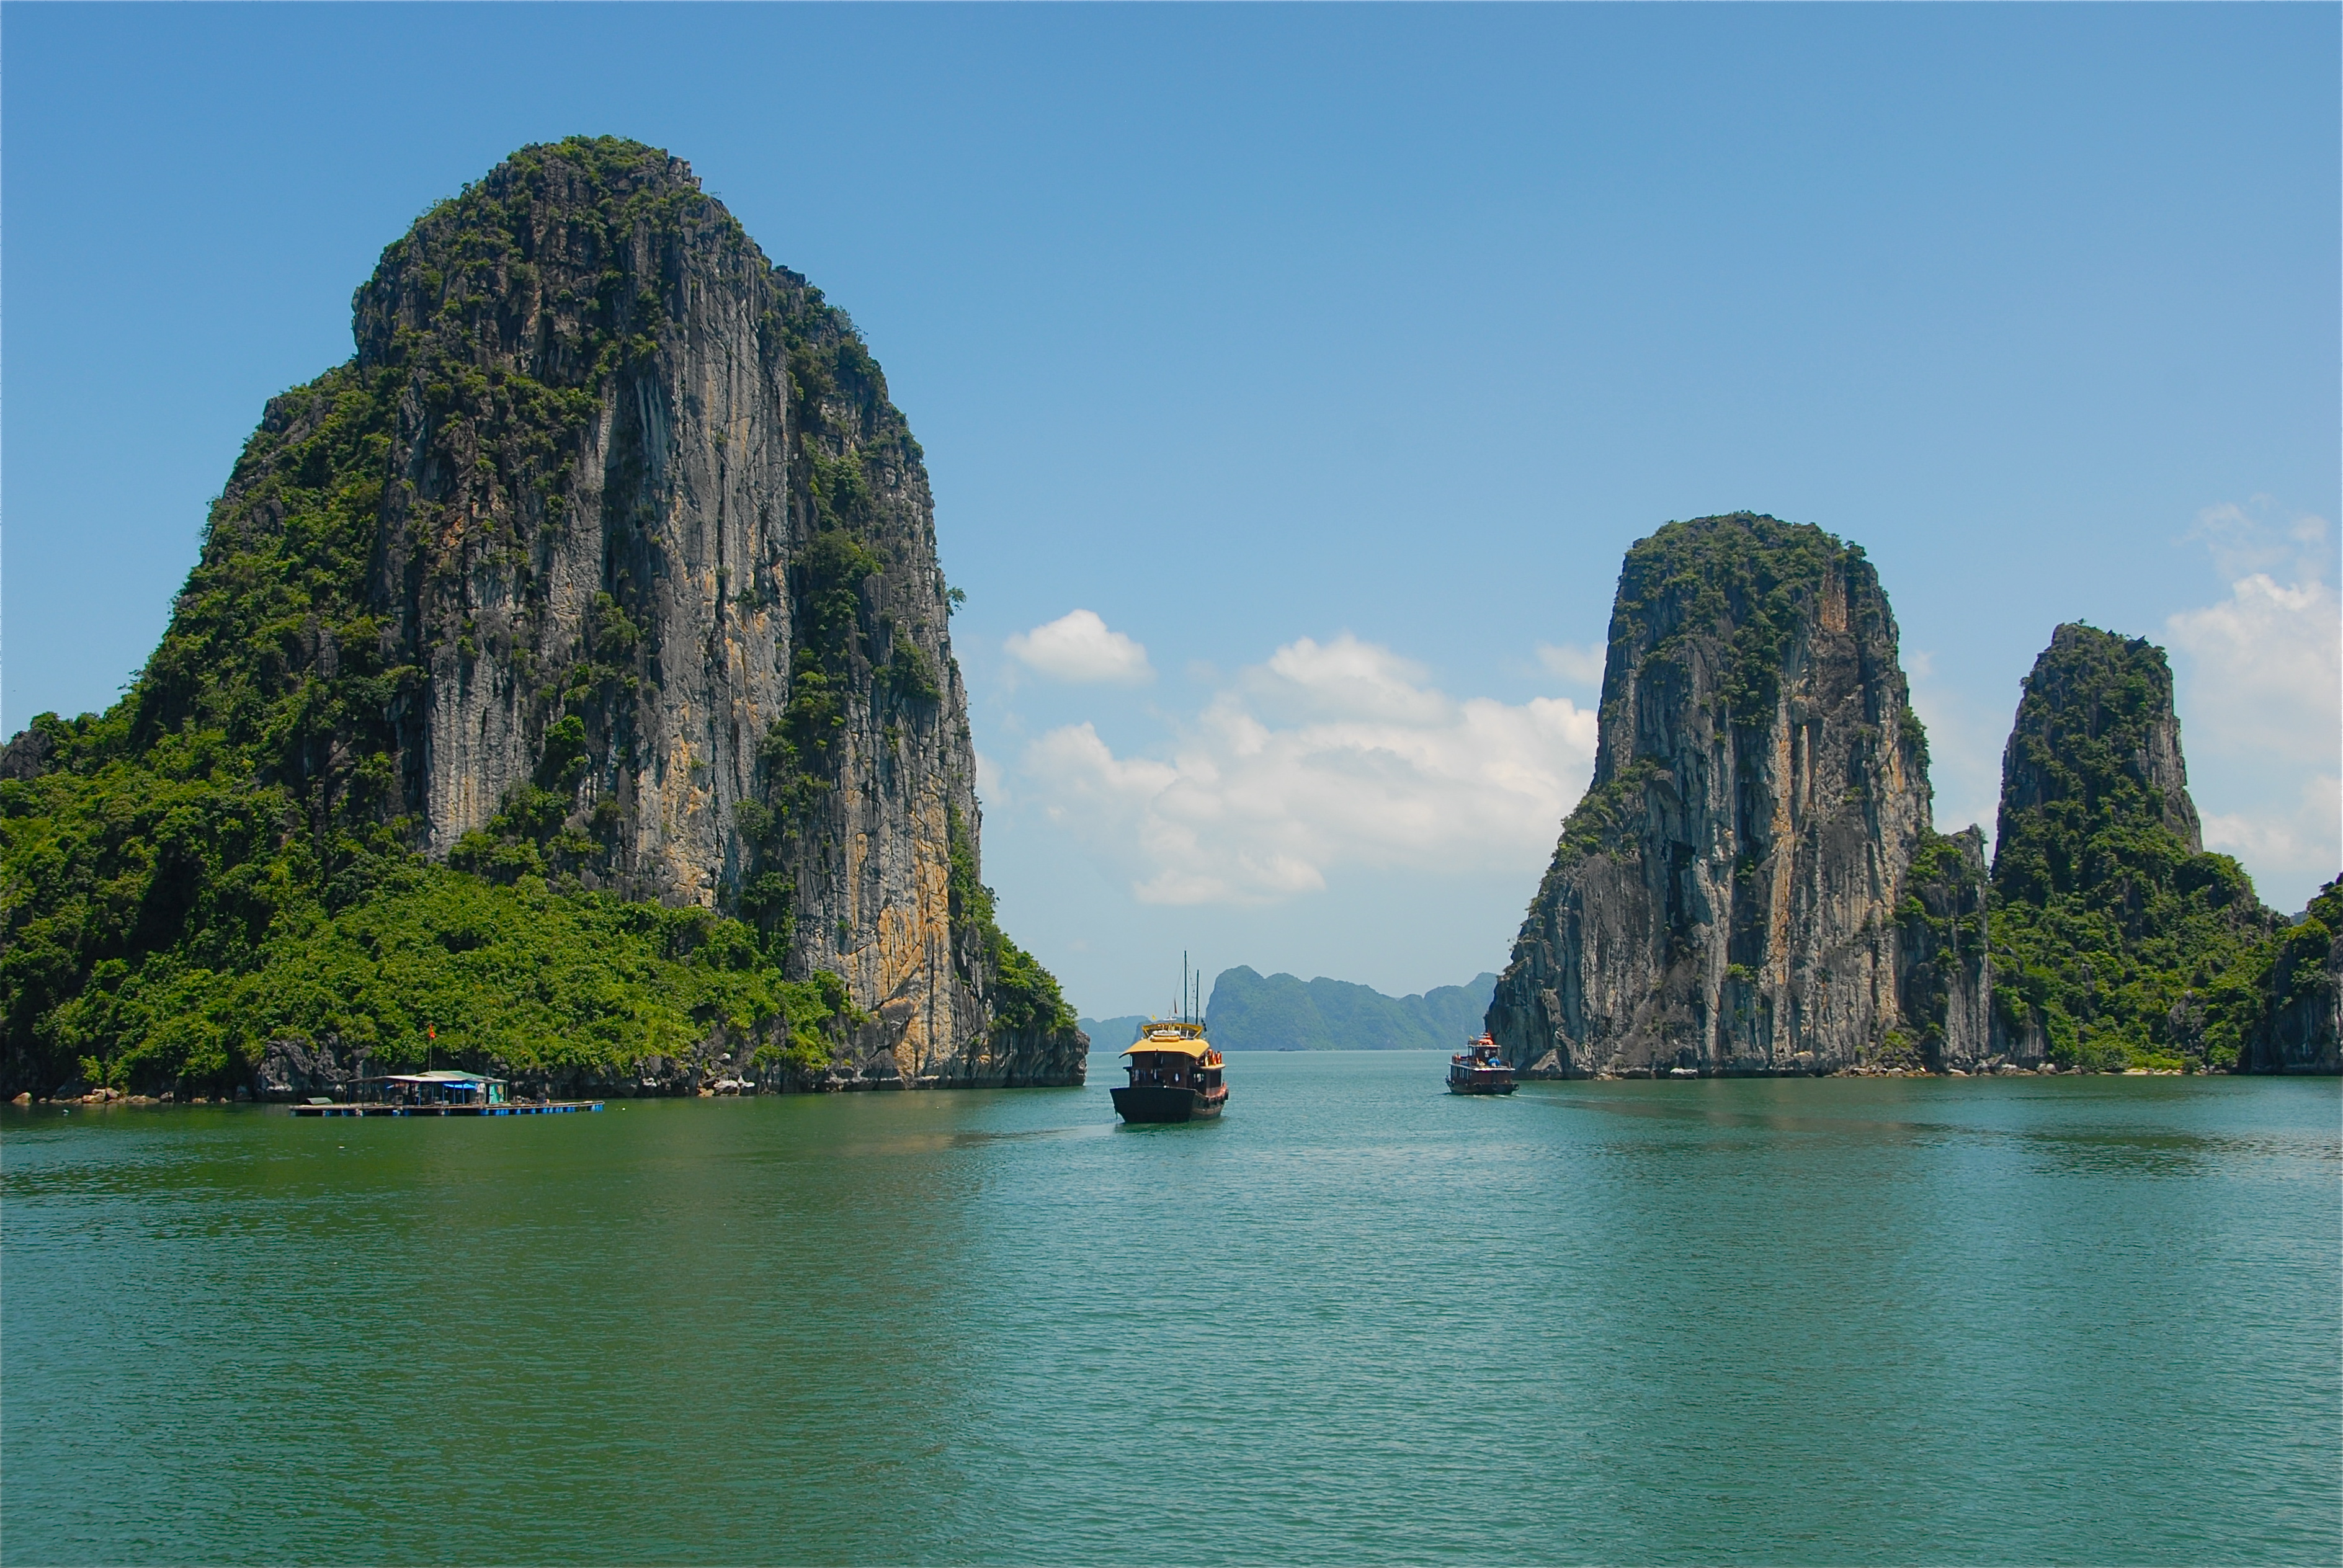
x,y
1167,1103
1506,1087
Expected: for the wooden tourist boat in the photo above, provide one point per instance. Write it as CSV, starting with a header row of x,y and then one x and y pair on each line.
x,y
1175,1075
1480,1069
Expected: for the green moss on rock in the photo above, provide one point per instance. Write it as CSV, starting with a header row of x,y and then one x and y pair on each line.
x,y
2117,940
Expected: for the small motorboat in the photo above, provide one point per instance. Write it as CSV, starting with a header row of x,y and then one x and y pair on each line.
x,y
1480,1069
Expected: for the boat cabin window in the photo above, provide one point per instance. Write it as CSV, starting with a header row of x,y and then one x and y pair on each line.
x,y
1172,1070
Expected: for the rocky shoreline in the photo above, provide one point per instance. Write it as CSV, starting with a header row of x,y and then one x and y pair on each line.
x,y
1864,1069
697,1085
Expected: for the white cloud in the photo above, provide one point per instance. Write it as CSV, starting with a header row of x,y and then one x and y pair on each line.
x,y
1345,678
2267,671
1583,666
2249,538
2263,681
1330,754
1080,646
2306,837
991,785
2269,659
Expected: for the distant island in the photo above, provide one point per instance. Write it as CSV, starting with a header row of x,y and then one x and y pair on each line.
x,y
1248,1012
1753,882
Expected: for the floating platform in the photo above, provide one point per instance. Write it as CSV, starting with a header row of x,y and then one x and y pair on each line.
x,y
547,1108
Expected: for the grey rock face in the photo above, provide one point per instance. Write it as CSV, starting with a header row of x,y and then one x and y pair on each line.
x,y
1725,898
646,492
297,1069
27,755
634,534
1943,962
2301,1025
2305,1032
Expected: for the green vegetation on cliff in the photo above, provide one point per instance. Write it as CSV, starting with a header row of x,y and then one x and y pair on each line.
x,y
2296,1029
1026,998
230,855
1748,579
2114,934
1755,577
169,911
1941,927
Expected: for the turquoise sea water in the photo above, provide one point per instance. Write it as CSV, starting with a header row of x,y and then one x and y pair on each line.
x,y
1359,1319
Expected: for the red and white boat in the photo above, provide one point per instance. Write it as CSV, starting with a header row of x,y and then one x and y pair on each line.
x,y
1480,1069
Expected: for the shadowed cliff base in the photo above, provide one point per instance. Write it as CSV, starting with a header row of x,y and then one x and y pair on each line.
x,y
587,619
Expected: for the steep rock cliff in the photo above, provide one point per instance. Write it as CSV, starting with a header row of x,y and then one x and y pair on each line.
x,y
605,565
2298,1024
1945,978
2118,941
1734,893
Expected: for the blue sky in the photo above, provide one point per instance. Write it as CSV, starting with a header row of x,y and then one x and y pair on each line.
x,y
1329,357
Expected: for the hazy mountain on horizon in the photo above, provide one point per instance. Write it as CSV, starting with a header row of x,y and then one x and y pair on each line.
x,y
1111,1033
1248,1012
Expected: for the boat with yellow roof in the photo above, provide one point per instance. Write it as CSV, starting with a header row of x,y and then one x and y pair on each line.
x,y
1175,1075
1175,1072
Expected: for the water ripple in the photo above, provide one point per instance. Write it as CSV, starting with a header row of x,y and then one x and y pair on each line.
x,y
1359,1320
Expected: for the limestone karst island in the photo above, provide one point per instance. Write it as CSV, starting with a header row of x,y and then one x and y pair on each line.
x,y
1578,806
566,691
1752,885
565,687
